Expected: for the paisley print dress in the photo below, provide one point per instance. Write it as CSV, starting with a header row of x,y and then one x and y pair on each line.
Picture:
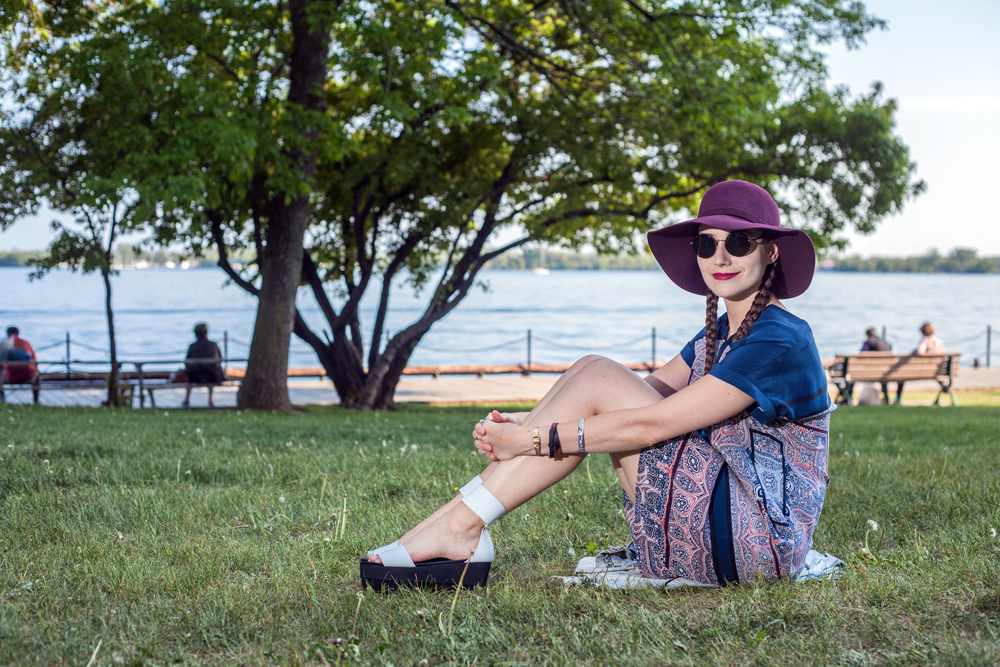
x,y
740,500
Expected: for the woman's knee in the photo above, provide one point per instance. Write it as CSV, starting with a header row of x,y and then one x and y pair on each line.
x,y
586,361
604,367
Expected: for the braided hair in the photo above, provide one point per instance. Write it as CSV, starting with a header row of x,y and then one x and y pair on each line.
x,y
756,308
711,333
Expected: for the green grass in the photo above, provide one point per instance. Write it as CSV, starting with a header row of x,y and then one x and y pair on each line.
x,y
171,545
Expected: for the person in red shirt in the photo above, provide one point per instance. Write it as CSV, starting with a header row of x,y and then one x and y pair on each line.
x,y
18,349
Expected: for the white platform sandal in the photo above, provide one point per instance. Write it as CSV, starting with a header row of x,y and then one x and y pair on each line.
x,y
398,569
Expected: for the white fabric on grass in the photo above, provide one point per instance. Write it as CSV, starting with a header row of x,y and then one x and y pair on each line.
x,y
625,576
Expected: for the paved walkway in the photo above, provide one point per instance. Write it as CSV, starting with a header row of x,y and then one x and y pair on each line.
x,y
490,390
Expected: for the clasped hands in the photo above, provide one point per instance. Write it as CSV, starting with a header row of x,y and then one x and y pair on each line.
x,y
500,436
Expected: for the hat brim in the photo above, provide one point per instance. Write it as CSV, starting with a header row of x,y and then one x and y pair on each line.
x,y
671,246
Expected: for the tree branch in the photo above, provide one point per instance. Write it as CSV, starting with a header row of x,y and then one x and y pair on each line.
x,y
223,263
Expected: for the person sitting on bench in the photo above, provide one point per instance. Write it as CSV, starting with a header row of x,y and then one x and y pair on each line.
x,y
203,373
873,343
15,348
929,344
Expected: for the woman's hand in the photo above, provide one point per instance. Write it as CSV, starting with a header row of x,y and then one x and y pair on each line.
x,y
502,441
506,417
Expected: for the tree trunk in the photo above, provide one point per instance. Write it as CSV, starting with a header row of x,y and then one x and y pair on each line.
x,y
265,386
113,377
348,375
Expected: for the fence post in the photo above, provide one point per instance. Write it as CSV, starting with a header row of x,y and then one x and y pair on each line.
x,y
225,349
653,368
68,371
528,370
989,337
883,332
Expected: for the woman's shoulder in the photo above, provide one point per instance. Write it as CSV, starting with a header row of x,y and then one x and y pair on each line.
x,y
779,323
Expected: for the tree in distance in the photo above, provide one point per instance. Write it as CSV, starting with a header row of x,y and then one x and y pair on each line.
x,y
66,149
427,128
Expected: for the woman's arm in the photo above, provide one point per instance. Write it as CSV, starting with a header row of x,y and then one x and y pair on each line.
x,y
671,377
703,403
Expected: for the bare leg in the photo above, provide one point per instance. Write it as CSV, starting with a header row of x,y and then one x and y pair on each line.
x,y
598,386
485,474
187,397
211,403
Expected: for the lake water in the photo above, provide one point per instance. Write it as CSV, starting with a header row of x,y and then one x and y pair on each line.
x,y
570,314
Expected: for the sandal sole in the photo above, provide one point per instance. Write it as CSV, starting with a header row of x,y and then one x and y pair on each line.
x,y
436,573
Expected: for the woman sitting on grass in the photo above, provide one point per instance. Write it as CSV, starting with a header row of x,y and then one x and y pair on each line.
x,y
722,452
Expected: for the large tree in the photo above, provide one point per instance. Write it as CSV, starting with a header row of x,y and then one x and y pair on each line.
x,y
405,135
192,94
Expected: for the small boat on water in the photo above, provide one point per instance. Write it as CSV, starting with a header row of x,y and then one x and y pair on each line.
x,y
540,269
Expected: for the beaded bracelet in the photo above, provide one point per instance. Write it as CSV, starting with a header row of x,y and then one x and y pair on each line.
x,y
579,437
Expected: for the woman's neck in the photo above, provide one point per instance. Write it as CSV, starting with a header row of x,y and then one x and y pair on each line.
x,y
737,310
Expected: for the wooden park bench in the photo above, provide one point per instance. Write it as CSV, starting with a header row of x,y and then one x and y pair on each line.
x,y
63,380
151,381
848,369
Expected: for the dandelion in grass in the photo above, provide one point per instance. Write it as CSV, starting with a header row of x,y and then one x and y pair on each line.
x,y
414,447
993,532
281,499
866,550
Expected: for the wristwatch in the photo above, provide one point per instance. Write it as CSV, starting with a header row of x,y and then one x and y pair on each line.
x,y
536,441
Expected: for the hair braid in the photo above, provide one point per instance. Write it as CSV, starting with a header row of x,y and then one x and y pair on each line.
x,y
759,303
711,333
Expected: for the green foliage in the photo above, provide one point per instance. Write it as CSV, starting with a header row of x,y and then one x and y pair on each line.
x,y
959,260
445,125
203,537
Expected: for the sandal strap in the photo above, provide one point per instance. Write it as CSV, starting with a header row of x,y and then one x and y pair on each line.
x,y
397,556
471,486
484,504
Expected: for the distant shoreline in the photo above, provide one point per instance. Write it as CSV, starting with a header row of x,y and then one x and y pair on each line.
x,y
958,261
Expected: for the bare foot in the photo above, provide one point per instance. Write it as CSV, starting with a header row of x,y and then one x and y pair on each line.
x,y
454,536
432,518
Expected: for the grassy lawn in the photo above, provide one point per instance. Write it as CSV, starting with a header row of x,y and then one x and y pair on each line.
x,y
218,537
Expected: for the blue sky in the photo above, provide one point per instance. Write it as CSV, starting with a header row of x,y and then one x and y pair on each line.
x,y
941,61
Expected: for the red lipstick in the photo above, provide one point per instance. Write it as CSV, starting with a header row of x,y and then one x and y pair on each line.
x,y
724,276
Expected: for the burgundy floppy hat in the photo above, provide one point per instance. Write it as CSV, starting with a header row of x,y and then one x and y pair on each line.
x,y
733,206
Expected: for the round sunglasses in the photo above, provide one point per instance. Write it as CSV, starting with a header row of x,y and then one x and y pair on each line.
x,y
738,244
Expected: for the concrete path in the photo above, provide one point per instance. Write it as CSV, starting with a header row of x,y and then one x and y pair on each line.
x,y
488,390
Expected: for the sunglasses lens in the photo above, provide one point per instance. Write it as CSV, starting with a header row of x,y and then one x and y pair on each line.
x,y
704,245
738,244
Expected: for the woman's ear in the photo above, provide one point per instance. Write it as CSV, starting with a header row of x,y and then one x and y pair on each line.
x,y
773,255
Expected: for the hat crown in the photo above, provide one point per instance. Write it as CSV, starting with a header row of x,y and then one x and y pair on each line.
x,y
743,200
